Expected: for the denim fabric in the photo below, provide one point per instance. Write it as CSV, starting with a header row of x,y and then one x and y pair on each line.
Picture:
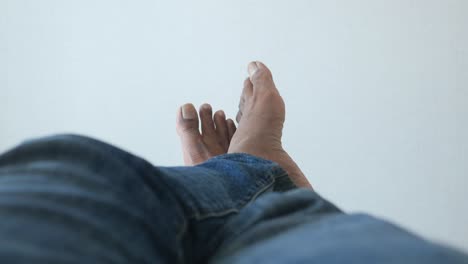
x,y
72,199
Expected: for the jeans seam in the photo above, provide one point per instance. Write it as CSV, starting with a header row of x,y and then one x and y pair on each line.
x,y
282,175
179,237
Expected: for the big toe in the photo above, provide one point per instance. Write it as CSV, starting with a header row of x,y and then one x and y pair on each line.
x,y
261,77
187,123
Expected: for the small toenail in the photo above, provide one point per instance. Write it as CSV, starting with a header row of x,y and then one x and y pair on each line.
x,y
188,112
221,113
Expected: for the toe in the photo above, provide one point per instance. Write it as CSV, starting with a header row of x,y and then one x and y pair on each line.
x,y
260,76
187,120
248,89
247,92
231,128
222,129
239,116
206,116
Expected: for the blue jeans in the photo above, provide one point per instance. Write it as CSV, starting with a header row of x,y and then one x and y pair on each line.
x,y
72,199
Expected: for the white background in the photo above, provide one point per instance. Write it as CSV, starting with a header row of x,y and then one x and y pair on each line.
x,y
376,91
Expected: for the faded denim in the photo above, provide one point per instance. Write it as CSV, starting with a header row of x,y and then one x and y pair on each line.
x,y
72,199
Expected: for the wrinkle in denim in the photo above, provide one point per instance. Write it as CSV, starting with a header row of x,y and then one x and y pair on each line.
x,y
73,199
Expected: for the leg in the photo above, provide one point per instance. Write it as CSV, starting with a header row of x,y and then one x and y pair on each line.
x,y
69,199
301,227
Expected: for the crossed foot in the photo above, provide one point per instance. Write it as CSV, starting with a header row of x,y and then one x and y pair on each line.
x,y
260,124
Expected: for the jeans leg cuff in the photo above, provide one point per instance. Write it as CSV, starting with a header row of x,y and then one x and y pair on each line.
x,y
282,180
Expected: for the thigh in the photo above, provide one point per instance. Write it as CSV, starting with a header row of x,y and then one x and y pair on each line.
x,y
70,199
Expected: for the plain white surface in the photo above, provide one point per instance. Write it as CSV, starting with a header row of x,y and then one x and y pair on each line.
x,y
376,91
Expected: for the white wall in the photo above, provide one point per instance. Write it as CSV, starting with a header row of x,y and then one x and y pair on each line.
x,y
376,91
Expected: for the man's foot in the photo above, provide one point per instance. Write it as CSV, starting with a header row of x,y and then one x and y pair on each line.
x,y
214,139
261,116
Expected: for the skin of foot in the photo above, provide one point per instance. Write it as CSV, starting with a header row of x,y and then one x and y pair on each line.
x,y
260,122
216,133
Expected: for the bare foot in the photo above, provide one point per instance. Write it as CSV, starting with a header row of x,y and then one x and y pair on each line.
x,y
214,139
261,116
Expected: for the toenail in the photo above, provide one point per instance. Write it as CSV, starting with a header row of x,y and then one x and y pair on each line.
x,y
221,113
252,68
206,106
189,112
